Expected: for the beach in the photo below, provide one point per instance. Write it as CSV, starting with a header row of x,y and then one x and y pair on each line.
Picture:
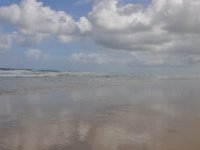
x,y
82,112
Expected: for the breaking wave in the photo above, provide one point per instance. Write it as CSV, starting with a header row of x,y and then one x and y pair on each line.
x,y
46,73
9,72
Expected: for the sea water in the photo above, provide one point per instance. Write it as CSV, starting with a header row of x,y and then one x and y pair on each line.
x,y
80,111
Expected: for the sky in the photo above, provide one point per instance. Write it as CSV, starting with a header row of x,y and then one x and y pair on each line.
x,y
117,36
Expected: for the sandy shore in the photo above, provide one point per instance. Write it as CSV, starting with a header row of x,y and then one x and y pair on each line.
x,y
100,114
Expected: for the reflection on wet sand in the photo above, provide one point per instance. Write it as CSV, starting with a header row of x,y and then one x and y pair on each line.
x,y
111,114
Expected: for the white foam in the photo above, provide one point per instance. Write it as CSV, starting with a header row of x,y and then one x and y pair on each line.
x,y
25,73
35,73
30,73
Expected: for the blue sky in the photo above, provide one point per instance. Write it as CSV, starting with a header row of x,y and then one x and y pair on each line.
x,y
123,36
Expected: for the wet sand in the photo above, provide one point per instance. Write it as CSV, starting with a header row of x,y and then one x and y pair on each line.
x,y
83,113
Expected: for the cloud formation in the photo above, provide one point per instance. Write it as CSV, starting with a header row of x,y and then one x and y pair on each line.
x,y
5,42
98,58
133,59
161,26
34,19
36,54
164,30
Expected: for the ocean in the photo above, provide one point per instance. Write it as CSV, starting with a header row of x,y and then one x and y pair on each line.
x,y
49,110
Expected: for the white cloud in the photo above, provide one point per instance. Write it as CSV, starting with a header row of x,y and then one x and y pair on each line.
x,y
163,29
178,16
164,32
89,58
5,41
107,16
32,18
84,25
29,39
128,27
133,25
36,54
127,58
98,58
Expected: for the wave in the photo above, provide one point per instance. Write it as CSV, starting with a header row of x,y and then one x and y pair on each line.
x,y
46,73
9,72
24,73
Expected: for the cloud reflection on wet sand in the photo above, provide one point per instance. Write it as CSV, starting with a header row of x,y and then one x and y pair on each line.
x,y
132,115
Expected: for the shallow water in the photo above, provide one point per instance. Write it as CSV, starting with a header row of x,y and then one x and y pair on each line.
x,y
99,113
